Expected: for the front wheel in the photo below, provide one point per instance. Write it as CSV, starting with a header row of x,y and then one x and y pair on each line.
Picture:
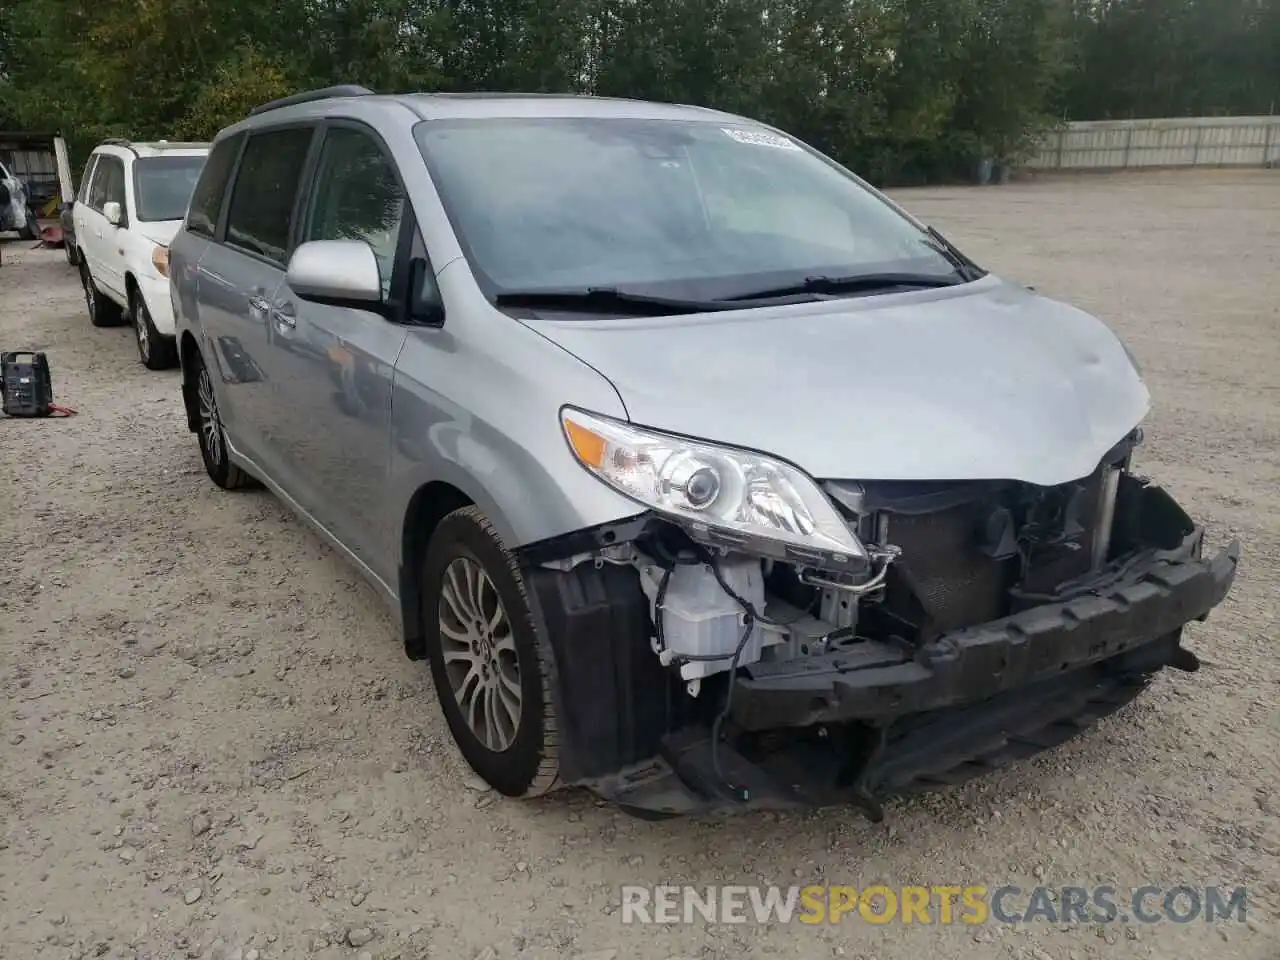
x,y
213,438
490,667
102,312
156,351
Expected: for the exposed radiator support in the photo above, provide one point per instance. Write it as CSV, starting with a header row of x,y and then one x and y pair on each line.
x,y
1106,516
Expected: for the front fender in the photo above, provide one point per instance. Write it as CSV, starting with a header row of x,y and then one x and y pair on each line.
x,y
476,405
475,416
515,466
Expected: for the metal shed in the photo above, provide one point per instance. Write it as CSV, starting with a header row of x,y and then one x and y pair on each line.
x,y
40,159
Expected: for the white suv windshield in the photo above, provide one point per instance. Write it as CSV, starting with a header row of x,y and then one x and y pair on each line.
x,y
163,186
671,207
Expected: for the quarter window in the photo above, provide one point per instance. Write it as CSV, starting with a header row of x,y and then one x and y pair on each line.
x,y
357,196
211,188
266,185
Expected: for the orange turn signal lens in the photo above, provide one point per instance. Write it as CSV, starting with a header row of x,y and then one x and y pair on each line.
x,y
160,260
587,444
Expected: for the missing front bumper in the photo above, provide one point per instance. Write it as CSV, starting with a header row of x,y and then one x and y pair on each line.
x,y
875,681
873,719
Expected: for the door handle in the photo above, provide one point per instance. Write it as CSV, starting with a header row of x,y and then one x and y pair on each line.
x,y
258,307
284,315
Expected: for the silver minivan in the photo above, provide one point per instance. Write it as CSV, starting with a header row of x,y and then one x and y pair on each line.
x,y
702,474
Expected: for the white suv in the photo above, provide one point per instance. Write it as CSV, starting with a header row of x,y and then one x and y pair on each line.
x,y
132,200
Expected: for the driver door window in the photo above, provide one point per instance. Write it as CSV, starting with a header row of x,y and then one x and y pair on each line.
x,y
98,187
108,185
115,188
83,195
357,196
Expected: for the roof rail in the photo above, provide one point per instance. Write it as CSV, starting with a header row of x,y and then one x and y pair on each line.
x,y
120,142
307,96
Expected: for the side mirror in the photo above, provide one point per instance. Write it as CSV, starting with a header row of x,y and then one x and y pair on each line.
x,y
340,273
111,210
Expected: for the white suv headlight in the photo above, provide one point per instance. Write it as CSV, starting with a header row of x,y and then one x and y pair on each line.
x,y
719,494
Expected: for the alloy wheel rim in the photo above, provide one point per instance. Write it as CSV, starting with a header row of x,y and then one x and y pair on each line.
x,y
210,425
89,295
140,326
479,652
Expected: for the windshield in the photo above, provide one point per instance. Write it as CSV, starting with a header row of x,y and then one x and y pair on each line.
x,y
677,208
163,185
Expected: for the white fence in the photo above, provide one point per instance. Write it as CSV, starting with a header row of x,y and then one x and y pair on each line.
x,y
1174,142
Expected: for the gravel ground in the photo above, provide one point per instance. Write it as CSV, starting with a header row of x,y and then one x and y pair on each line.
x,y
212,745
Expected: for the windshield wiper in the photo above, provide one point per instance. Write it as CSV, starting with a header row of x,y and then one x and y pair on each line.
x,y
854,284
605,300
964,266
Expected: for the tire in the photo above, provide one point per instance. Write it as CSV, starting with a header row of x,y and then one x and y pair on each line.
x,y
156,352
69,248
31,229
212,437
102,312
465,559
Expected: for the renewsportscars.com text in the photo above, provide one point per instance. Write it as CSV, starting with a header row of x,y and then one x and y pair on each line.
x,y
940,904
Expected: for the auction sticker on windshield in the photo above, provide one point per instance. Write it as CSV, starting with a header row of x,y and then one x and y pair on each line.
x,y
760,138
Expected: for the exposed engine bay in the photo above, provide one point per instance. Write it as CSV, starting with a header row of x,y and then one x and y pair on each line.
x,y
767,680
943,556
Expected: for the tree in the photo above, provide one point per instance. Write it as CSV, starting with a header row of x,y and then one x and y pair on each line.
x,y
903,90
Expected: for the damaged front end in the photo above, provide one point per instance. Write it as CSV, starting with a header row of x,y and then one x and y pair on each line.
x,y
987,621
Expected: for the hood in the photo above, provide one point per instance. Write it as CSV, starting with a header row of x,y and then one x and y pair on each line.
x,y
987,381
158,231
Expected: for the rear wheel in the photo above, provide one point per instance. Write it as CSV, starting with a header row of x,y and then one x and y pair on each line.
x,y
492,670
102,312
157,352
213,438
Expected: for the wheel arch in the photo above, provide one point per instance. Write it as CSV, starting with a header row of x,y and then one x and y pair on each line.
x,y
430,503
131,287
188,353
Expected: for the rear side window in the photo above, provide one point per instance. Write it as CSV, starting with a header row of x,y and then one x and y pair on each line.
x,y
83,195
262,200
206,199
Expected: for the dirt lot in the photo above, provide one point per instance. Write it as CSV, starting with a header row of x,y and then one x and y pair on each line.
x,y
213,747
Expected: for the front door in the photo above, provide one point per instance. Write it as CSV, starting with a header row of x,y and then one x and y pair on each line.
x,y
239,274
107,252
89,219
334,365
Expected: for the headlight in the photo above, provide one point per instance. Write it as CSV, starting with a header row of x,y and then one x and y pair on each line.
x,y
719,494
160,259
